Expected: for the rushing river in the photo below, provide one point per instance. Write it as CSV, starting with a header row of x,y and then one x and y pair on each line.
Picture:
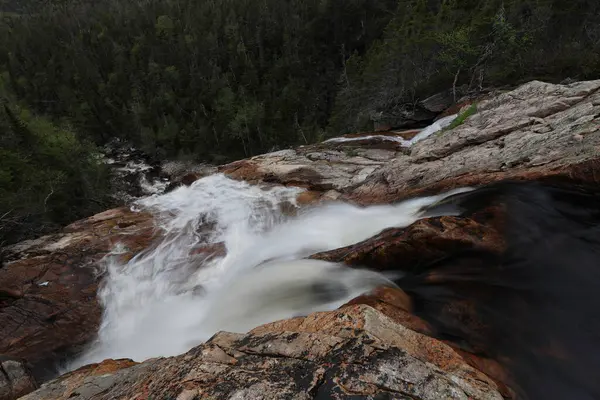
x,y
177,294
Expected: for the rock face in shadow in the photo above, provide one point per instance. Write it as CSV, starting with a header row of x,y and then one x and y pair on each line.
x,y
418,244
372,348
15,379
355,353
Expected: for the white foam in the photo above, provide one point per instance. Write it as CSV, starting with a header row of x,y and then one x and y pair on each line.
x,y
165,300
156,186
433,128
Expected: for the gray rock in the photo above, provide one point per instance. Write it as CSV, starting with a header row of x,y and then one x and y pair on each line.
x,y
15,379
289,365
536,130
443,100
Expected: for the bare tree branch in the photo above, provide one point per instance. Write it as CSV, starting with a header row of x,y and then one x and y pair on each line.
x,y
454,85
6,214
47,197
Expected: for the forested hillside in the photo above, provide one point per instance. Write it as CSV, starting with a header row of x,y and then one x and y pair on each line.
x,y
432,45
217,80
225,79
188,78
48,176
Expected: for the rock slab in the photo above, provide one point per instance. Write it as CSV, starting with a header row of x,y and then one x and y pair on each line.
x,y
15,379
48,286
354,353
48,305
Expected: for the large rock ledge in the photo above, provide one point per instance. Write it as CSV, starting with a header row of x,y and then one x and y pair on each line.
x,y
536,131
354,353
48,287
373,348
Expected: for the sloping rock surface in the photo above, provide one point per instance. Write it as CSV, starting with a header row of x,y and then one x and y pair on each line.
x,y
356,353
374,348
48,286
539,130
15,379
535,131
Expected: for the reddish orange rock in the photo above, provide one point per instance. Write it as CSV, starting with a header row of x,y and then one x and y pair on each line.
x,y
48,305
105,367
245,170
308,197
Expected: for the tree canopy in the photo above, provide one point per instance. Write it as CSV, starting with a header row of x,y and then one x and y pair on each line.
x,y
48,176
219,80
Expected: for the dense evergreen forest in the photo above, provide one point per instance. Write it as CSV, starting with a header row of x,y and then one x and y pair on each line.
x,y
48,176
216,80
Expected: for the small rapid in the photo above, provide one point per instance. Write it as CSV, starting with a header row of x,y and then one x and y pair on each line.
x,y
174,295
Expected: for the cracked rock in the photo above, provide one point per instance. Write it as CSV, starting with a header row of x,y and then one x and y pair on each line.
x,y
314,361
15,379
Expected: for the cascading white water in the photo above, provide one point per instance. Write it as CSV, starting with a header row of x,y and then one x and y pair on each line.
x,y
168,299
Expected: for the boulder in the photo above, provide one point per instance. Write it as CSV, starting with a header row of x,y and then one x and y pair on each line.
x,y
184,173
404,116
16,379
441,101
411,115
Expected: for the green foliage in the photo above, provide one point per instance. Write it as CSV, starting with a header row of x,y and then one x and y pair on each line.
x,y
431,46
462,117
213,79
48,177
164,25
219,80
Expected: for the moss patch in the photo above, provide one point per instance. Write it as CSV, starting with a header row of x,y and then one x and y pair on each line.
x,y
462,117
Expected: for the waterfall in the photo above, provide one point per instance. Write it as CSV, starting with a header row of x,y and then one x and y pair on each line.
x,y
180,291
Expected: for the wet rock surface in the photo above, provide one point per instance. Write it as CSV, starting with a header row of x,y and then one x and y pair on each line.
x,y
419,244
48,286
373,348
184,173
